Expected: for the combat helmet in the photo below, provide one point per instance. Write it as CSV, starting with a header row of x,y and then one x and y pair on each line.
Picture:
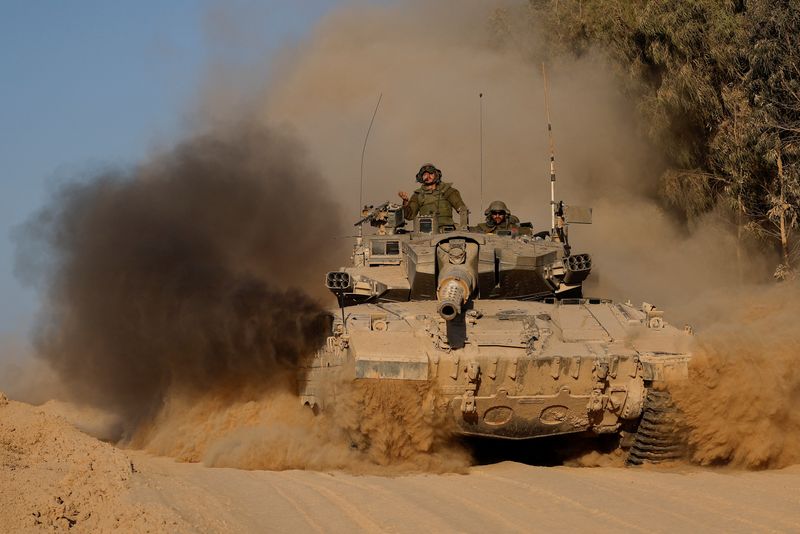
x,y
497,205
431,168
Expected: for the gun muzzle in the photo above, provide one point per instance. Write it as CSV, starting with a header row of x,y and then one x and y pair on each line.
x,y
452,294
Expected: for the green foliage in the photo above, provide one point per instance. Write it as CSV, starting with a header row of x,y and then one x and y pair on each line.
x,y
718,88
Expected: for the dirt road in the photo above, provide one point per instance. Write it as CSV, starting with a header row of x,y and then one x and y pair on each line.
x,y
56,478
507,497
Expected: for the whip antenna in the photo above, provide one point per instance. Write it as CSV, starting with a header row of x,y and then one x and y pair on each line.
x,y
552,155
480,97
364,150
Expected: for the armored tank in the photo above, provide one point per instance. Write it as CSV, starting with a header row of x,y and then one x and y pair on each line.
x,y
499,324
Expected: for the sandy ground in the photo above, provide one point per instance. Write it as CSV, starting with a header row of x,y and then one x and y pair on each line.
x,y
508,497
54,477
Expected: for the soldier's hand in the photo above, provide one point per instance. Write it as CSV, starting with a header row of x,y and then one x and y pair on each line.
x,y
404,196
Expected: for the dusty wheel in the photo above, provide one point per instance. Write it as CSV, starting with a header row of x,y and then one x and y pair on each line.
x,y
659,437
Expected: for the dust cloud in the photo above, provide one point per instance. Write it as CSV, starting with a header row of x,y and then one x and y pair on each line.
x,y
23,377
742,401
373,428
183,274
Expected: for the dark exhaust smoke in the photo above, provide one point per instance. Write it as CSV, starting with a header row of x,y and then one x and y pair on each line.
x,y
184,273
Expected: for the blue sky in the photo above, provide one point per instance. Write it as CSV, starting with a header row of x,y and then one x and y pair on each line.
x,y
90,84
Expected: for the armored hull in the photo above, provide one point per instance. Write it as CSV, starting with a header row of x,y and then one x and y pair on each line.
x,y
525,369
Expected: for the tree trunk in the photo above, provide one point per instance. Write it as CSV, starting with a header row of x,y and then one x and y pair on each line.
x,y
739,232
784,236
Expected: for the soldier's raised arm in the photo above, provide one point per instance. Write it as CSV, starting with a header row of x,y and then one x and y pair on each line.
x,y
410,205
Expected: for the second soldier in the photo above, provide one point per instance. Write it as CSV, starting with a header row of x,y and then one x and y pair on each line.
x,y
499,220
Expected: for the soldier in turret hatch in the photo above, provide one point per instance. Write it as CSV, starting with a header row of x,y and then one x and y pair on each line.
x,y
435,198
499,220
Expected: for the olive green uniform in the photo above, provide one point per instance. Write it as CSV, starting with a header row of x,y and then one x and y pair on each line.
x,y
511,224
439,202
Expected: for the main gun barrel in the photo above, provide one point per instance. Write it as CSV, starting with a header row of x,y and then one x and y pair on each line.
x,y
457,276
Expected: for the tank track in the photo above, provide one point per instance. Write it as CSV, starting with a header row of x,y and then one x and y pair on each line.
x,y
659,437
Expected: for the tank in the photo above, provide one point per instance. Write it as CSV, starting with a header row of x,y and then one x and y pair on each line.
x,y
500,326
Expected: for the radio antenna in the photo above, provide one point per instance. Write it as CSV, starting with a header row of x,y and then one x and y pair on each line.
x,y
552,155
480,97
363,151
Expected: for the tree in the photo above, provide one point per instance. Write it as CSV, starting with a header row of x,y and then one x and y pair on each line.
x,y
718,90
773,81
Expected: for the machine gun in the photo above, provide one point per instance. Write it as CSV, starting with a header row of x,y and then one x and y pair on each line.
x,y
386,216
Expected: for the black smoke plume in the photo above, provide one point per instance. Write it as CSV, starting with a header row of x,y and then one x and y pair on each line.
x,y
186,272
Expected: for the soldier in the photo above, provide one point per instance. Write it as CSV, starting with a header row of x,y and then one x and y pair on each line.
x,y
499,219
434,198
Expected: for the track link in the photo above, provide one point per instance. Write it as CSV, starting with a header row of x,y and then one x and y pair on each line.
x,y
658,438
